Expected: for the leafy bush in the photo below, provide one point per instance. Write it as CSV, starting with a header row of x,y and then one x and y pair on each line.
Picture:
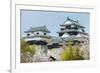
x,y
71,53
27,51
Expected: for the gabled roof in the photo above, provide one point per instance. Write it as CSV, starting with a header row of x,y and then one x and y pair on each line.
x,y
65,35
41,28
71,22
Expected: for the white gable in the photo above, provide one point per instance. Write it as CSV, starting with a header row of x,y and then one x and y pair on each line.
x,y
65,35
68,22
79,35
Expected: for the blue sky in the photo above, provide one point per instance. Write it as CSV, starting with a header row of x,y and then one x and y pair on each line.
x,y
32,18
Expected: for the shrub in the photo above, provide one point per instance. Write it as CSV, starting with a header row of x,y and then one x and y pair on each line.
x,y
27,51
71,53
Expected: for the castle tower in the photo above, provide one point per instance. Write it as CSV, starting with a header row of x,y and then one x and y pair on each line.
x,y
71,30
37,35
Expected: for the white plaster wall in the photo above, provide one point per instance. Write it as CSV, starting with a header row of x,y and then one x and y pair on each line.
x,y
35,33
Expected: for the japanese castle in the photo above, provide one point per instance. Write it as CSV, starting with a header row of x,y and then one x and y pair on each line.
x,y
37,35
70,30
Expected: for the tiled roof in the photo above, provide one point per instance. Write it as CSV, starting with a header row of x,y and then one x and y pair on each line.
x,y
71,22
41,28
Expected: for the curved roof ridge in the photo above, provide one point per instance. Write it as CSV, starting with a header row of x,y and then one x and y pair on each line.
x,y
40,28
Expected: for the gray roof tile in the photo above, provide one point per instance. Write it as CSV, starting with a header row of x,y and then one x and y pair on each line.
x,y
41,28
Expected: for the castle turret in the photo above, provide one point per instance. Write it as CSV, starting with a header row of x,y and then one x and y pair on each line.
x,y
37,35
71,30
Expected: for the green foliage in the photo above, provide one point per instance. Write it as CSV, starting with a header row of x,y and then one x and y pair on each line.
x,y
27,51
71,53
78,54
